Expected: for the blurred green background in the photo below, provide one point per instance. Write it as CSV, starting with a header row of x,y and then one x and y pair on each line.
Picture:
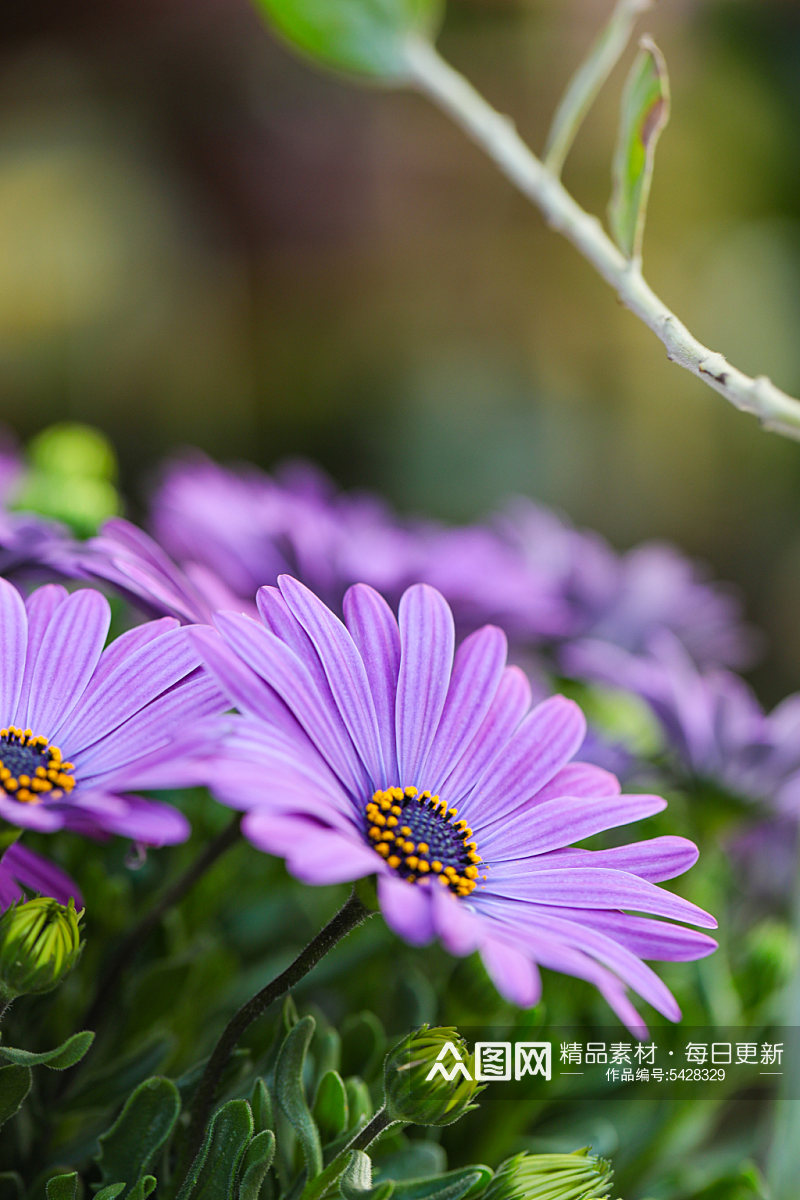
x,y
202,241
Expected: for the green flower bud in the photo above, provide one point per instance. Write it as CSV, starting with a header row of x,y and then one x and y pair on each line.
x,y
428,1078
40,942
576,1176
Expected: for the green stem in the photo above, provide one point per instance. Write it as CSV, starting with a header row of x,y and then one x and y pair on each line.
x,y
352,914
371,1131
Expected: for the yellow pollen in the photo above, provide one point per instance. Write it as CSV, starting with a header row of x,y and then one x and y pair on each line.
x,y
427,818
50,776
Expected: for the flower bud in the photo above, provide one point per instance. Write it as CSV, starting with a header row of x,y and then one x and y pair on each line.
x,y
428,1078
576,1176
40,942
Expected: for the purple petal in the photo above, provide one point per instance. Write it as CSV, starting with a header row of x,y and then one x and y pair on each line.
x,y
41,606
243,687
127,644
68,654
314,854
374,630
580,779
513,973
173,714
427,637
478,666
10,892
656,859
39,875
537,828
599,887
344,670
13,644
289,676
556,955
139,678
460,930
543,744
407,908
648,938
142,820
617,958
507,709
42,817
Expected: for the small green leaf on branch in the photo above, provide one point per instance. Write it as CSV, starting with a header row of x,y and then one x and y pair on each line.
x,y
644,113
66,1055
367,38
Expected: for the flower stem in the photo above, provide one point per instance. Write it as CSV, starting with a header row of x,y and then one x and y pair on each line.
x,y
372,1130
497,137
104,999
352,914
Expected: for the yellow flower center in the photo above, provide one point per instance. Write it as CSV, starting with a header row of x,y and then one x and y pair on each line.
x,y
422,839
31,768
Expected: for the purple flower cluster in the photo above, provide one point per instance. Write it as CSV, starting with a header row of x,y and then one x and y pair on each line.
x,y
369,744
221,533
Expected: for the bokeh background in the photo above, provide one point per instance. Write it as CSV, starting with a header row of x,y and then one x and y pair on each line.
x,y
203,241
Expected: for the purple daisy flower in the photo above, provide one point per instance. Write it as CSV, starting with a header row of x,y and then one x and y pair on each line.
x,y
139,569
627,599
714,724
374,747
22,868
247,527
81,727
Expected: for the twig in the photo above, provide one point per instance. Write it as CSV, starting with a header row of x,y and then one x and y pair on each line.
x,y
497,136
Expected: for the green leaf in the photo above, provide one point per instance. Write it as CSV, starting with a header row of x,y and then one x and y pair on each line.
x,y
368,38
358,1101
15,1083
330,1106
66,1055
644,113
261,1104
321,1185
291,1093
453,1185
257,1161
112,1191
214,1172
144,1188
63,1187
139,1132
356,1183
